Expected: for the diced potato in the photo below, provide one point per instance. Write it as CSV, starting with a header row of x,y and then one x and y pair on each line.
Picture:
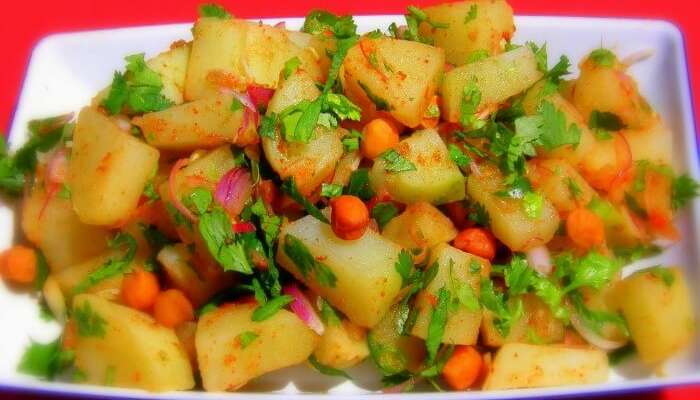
x,y
603,301
654,143
342,346
203,123
282,340
489,28
108,169
218,46
176,261
172,67
509,222
402,81
134,352
391,352
498,78
366,281
420,226
519,365
54,227
560,183
235,53
110,288
205,171
611,89
455,267
536,326
436,179
575,155
311,163
54,299
658,311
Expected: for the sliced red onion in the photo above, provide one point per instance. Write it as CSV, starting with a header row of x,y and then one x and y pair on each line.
x,y
540,260
179,164
594,338
260,95
281,24
233,190
123,123
249,113
303,309
57,167
243,227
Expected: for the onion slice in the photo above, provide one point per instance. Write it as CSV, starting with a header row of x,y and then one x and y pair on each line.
x,y
540,260
57,167
259,95
250,111
233,190
594,338
179,164
303,309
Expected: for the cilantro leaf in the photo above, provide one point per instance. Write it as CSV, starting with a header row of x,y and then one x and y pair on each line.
x,y
597,319
436,327
683,190
395,162
270,308
540,55
471,98
603,57
471,14
384,212
555,132
321,21
200,199
607,121
149,191
214,11
328,314
533,204
306,263
290,188
504,315
404,266
216,231
246,338
359,184
139,88
462,160
45,360
113,266
42,270
380,103
331,190
341,107
479,215
118,94
664,274
88,322
290,66
326,370
268,123
269,223
593,270
351,141
477,55
342,48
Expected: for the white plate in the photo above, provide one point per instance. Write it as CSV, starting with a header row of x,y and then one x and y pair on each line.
x,y
66,70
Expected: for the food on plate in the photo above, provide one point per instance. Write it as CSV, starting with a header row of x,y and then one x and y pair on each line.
x,y
436,199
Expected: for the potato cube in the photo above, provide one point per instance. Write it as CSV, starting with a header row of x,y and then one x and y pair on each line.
x,y
232,349
108,170
420,226
366,281
342,345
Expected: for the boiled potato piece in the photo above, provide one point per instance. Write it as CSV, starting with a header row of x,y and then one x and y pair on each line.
x,y
176,261
235,53
342,345
607,87
654,143
497,78
108,169
54,227
225,364
133,352
575,155
536,326
172,67
420,226
657,307
110,288
519,365
392,352
366,282
455,269
218,46
402,81
203,123
310,164
560,183
472,26
509,222
436,178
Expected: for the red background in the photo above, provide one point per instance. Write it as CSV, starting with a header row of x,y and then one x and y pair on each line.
x,y
26,22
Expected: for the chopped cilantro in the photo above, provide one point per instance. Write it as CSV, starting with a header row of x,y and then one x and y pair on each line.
x,y
379,103
664,274
328,314
290,66
555,131
351,141
326,370
45,361
267,126
603,57
222,243
606,121
321,21
383,213
139,88
150,191
395,162
270,308
479,215
331,190
236,105
533,203
88,322
306,263
290,188
199,200
471,98
436,326
574,189
471,14
214,11
359,184
113,266
404,266
683,190
246,338
477,55
462,160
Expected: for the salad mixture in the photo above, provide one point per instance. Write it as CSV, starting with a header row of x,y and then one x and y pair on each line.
x,y
434,198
